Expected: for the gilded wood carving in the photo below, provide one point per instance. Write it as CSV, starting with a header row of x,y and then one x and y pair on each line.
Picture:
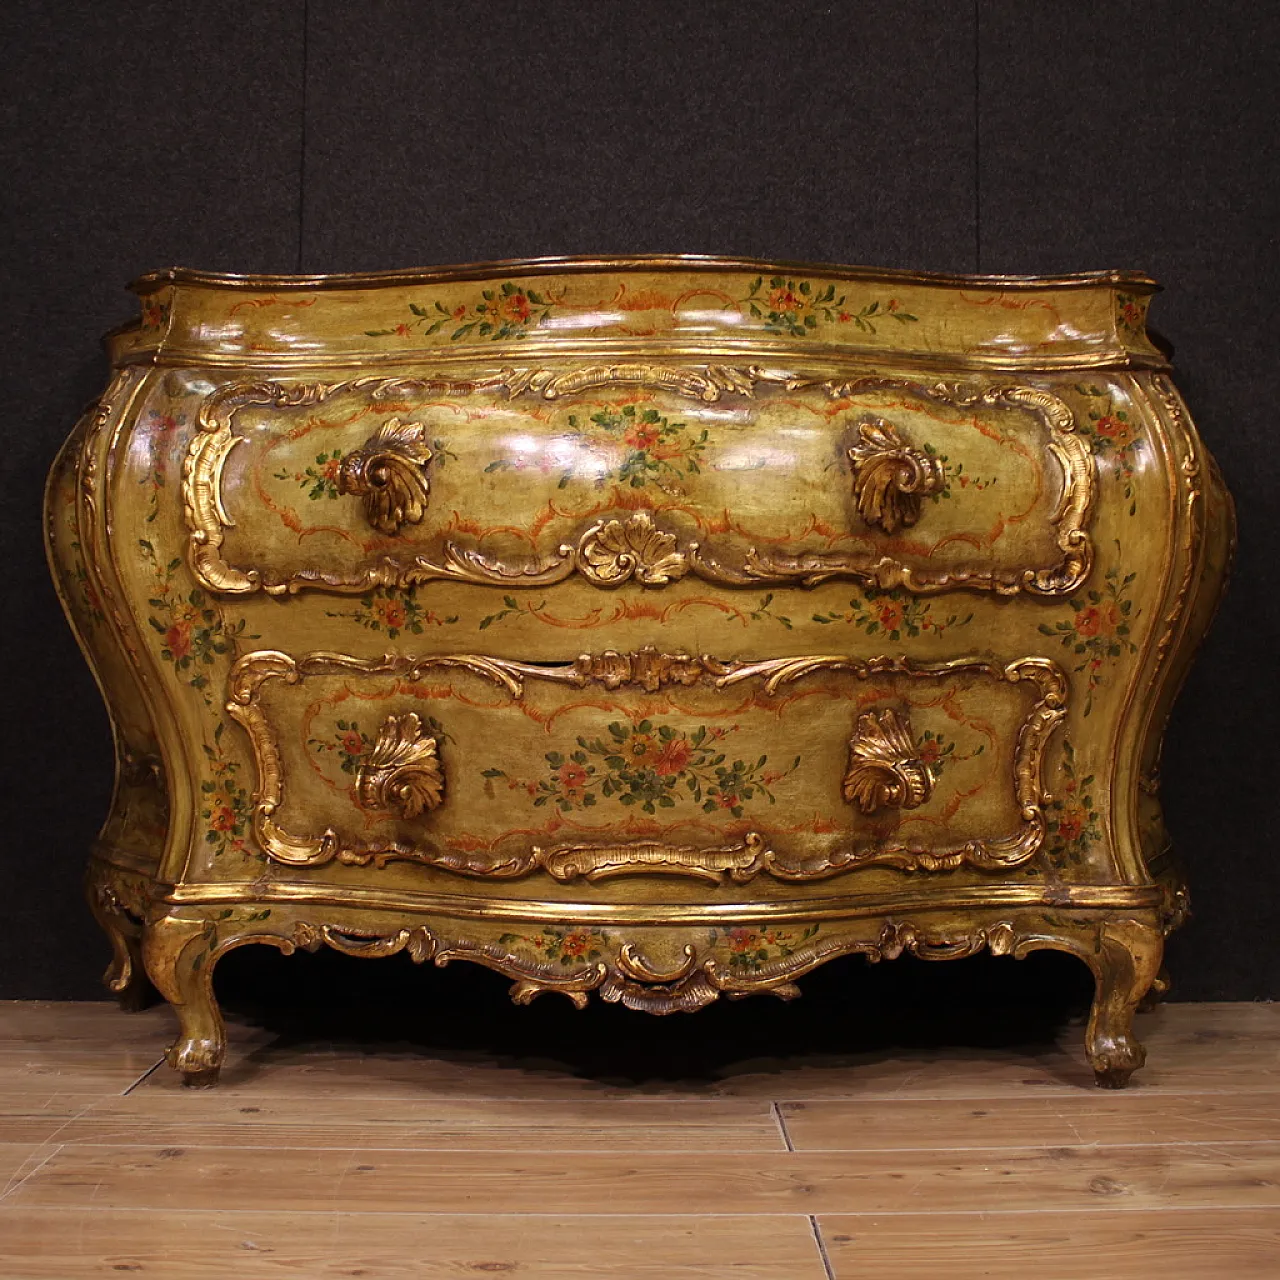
x,y
657,628
890,479
612,551
883,769
389,473
403,772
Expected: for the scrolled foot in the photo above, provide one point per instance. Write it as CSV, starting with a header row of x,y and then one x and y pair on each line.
x,y
199,1060
136,995
180,955
1112,1078
1125,965
125,976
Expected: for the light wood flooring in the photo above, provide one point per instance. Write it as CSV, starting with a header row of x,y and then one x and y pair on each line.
x,y
318,1159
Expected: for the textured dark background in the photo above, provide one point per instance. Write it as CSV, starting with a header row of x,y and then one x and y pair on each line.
x,y
1000,137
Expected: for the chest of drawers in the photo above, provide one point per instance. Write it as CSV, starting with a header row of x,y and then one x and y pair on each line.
x,y
657,628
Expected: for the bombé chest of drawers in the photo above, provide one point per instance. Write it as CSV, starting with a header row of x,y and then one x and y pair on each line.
x,y
653,628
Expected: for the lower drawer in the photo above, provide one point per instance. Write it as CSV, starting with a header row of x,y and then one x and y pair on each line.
x,y
797,768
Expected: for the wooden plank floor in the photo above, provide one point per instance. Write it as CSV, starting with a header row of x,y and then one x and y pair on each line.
x,y
324,1160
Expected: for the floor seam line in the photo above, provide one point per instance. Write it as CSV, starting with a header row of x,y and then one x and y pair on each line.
x,y
155,1066
782,1126
822,1246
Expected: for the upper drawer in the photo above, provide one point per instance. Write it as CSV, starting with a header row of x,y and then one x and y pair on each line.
x,y
641,473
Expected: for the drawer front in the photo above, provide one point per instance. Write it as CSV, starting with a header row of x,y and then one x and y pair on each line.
x,y
795,768
639,474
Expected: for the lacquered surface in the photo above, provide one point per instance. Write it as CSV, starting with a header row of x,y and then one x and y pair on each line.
x,y
976,506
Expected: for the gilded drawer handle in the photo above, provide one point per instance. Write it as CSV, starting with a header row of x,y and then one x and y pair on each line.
x,y
891,479
389,472
402,774
885,770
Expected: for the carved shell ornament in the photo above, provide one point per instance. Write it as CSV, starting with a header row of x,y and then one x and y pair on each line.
x,y
389,472
617,550
402,774
890,479
885,771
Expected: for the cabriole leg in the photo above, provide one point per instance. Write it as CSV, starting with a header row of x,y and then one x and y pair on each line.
x,y
179,955
1125,964
125,976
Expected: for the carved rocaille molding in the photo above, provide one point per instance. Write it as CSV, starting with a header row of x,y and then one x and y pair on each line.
x,y
402,774
623,974
740,862
614,551
890,479
389,473
1190,475
885,770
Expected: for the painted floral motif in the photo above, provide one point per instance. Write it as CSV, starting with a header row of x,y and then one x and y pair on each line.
x,y
659,451
954,476
391,610
1131,314
510,607
796,308
320,479
935,751
75,577
566,947
226,805
513,311
894,614
1098,628
1114,436
86,592
155,313
349,744
159,428
751,949
765,610
193,633
1074,824
507,311
653,767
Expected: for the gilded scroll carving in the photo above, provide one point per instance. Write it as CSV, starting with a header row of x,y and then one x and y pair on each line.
x,y
1071,519
885,770
891,479
389,472
591,861
402,774
615,550
627,977
740,863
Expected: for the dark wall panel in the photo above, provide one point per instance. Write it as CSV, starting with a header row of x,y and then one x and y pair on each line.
x,y
136,136
131,137
838,132
1133,135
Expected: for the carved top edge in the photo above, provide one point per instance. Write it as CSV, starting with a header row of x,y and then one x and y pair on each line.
x,y
578,263
633,303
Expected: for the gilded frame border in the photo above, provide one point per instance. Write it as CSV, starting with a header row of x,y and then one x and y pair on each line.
x,y
592,861
611,552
